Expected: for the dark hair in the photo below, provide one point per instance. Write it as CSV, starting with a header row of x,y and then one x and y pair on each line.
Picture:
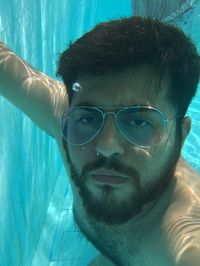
x,y
131,42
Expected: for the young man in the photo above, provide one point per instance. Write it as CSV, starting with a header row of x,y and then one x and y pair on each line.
x,y
128,84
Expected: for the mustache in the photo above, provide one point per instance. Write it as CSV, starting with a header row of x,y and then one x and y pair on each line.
x,y
111,164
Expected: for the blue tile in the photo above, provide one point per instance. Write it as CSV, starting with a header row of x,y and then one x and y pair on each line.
x,y
67,221
56,247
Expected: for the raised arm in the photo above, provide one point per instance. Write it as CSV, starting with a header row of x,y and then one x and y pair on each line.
x,y
40,97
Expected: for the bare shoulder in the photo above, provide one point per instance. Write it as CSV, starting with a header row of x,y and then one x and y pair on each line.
x,y
188,177
186,193
185,168
181,222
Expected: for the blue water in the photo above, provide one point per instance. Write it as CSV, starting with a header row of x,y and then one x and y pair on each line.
x,y
35,199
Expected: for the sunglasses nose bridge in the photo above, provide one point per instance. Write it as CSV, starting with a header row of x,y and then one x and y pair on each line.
x,y
104,115
109,113
115,129
109,140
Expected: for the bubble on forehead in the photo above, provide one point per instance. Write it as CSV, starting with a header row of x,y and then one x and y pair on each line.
x,y
76,87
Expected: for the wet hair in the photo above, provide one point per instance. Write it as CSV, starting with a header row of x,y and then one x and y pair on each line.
x,y
132,42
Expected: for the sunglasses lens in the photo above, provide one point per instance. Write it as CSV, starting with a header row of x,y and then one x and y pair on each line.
x,y
81,125
141,126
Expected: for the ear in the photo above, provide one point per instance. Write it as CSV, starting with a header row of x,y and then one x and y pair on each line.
x,y
185,127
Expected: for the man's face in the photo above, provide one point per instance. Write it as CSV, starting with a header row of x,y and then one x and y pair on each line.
x,y
146,172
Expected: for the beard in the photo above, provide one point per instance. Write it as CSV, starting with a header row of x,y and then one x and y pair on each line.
x,y
109,211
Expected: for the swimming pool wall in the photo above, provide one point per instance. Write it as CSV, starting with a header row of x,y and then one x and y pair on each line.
x,y
33,183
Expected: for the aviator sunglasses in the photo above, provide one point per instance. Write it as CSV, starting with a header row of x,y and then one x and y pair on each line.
x,y
143,126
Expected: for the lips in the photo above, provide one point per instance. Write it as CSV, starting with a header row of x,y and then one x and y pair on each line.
x,y
109,177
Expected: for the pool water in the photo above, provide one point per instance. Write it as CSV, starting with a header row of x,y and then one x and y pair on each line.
x,y
36,221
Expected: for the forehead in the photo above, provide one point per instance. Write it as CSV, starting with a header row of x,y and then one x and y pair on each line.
x,y
125,88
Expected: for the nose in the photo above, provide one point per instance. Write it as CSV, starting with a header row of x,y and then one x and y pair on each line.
x,y
109,142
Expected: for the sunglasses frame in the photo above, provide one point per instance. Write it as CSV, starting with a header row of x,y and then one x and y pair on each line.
x,y
116,113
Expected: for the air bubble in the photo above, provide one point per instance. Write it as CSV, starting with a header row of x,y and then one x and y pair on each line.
x,y
76,87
